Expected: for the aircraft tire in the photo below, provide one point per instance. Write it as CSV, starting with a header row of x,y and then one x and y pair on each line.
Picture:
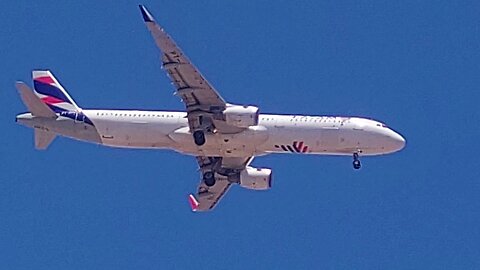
x,y
356,164
199,137
209,178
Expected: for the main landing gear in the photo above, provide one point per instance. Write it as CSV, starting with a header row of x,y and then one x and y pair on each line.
x,y
209,178
199,137
356,161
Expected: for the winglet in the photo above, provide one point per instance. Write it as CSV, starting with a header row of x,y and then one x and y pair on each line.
x,y
193,202
147,17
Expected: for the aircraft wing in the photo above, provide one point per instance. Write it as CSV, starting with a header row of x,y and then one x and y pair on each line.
x,y
198,95
208,197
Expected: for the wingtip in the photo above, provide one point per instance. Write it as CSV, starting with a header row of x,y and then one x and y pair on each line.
x,y
20,86
19,83
193,202
147,17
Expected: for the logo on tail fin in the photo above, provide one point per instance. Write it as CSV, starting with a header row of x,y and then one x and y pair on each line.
x,y
51,92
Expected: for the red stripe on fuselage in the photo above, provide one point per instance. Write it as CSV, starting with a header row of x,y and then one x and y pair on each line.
x,y
295,146
300,146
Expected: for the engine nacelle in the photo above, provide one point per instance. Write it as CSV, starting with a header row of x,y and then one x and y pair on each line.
x,y
241,116
256,178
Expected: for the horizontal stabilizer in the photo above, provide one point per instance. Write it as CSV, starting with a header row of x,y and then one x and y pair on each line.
x,y
43,139
33,103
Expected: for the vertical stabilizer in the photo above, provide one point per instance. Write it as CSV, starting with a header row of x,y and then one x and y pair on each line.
x,y
43,139
52,93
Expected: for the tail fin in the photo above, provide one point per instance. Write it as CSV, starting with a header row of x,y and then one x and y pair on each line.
x,y
51,92
33,103
43,138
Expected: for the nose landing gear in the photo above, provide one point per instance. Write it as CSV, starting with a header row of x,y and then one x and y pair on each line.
x,y
356,161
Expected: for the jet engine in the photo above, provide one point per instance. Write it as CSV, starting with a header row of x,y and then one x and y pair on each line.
x,y
241,116
256,178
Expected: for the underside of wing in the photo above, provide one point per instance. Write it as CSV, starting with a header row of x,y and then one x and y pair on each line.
x,y
191,86
204,105
208,197
217,175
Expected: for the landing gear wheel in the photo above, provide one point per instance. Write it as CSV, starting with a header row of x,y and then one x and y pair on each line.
x,y
199,137
209,178
356,162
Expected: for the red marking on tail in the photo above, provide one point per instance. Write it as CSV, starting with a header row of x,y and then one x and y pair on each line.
x,y
305,149
45,79
51,100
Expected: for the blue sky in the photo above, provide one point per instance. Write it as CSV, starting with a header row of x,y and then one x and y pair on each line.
x,y
411,64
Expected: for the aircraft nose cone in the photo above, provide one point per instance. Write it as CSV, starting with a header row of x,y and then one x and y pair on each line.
x,y
397,141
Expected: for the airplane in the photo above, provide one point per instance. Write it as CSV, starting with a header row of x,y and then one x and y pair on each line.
x,y
223,137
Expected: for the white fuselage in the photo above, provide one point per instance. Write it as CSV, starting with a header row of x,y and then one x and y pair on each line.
x,y
274,134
